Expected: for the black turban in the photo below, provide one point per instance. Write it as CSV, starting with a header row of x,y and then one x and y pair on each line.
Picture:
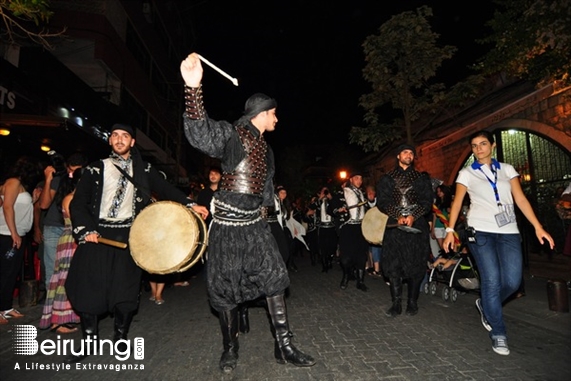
x,y
402,147
258,103
124,127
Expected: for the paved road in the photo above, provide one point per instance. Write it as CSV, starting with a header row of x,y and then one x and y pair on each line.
x,y
346,331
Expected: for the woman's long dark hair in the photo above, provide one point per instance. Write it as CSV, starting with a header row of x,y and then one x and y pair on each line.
x,y
26,169
66,186
446,201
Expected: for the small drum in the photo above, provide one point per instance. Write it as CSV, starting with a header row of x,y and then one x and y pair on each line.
x,y
167,237
374,225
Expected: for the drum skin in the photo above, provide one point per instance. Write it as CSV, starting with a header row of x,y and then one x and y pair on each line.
x,y
374,225
167,237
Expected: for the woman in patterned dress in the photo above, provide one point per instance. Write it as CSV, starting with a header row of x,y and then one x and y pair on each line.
x,y
58,314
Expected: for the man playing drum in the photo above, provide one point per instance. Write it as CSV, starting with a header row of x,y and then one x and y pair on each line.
x,y
109,195
244,261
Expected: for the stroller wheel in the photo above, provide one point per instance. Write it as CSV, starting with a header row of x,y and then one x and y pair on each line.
x,y
426,288
446,293
454,295
432,288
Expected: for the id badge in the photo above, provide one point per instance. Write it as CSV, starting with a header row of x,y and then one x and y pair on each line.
x,y
510,211
502,219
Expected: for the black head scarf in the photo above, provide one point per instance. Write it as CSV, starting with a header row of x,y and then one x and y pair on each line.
x,y
256,104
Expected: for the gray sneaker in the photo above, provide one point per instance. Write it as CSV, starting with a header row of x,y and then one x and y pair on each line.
x,y
482,317
500,346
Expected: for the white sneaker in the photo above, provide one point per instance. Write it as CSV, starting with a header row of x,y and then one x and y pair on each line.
x,y
500,346
482,317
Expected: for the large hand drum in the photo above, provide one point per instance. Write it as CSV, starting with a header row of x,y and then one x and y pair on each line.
x,y
167,237
374,225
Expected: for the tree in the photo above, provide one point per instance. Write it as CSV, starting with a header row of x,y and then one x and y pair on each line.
x,y
400,61
24,20
531,39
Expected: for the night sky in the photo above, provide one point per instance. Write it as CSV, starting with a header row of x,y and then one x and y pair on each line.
x,y
309,56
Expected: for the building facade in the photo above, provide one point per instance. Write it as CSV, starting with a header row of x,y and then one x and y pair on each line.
x,y
117,62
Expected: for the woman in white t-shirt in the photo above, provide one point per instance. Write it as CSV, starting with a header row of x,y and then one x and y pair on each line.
x,y
495,242
16,219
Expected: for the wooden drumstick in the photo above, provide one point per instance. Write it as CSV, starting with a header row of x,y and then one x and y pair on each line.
x,y
358,205
111,242
232,79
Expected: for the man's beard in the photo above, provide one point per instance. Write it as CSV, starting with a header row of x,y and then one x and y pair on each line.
x,y
121,151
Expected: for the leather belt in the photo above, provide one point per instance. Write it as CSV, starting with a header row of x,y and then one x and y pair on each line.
x,y
239,184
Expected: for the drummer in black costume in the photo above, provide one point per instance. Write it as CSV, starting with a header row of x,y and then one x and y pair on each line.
x,y
103,278
310,218
406,196
244,261
327,238
353,246
275,216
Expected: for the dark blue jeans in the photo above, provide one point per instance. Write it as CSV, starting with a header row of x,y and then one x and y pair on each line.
x,y
499,260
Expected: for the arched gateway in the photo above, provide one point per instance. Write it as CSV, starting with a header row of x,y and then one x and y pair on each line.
x,y
533,133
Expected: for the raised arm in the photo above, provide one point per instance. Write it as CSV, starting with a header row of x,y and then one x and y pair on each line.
x,y
191,70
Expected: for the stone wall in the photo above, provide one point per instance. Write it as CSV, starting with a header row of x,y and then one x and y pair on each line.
x,y
546,112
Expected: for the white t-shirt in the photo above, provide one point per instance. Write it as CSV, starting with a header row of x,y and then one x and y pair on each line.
x,y
23,213
483,204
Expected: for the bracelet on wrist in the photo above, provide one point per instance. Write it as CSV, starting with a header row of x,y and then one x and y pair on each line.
x,y
449,230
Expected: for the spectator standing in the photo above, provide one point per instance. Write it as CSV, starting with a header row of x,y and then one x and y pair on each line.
x,y
53,224
58,314
16,219
375,251
442,203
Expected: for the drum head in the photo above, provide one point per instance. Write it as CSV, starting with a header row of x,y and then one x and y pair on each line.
x,y
164,237
374,225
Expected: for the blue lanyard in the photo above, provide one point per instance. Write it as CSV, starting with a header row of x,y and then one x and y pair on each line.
x,y
494,183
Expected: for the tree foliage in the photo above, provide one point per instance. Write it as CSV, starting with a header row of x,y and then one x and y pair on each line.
x,y
531,39
400,61
24,21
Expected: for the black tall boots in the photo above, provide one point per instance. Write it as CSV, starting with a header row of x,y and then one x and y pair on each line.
x,y
122,323
244,318
361,280
89,329
396,296
325,263
284,350
413,292
229,326
345,278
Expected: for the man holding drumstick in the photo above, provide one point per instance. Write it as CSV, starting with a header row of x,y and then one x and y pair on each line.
x,y
109,195
244,261
406,196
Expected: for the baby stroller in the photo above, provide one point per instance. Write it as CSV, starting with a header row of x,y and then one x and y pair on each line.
x,y
456,273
